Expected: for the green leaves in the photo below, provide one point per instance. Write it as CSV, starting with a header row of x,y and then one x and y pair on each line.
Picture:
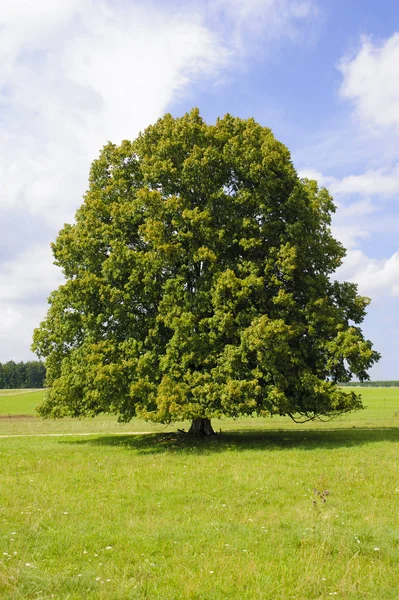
x,y
198,284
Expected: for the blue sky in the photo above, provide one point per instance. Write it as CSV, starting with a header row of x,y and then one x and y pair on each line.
x,y
323,75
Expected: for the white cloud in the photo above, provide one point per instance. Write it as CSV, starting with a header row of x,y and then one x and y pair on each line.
x,y
384,182
16,339
374,277
25,283
356,157
349,235
77,73
29,276
78,77
322,180
9,317
355,209
371,82
353,222
346,226
295,20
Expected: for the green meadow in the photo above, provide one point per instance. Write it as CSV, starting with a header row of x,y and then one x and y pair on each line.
x,y
267,509
19,402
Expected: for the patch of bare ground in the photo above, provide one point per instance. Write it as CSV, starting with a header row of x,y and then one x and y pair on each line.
x,y
17,417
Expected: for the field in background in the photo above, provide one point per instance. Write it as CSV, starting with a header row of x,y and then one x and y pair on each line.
x,y
266,510
382,410
20,402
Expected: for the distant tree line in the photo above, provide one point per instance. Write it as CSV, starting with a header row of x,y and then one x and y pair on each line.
x,y
29,374
372,384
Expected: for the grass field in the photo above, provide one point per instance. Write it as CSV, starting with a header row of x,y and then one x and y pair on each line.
x,y
20,402
382,410
267,510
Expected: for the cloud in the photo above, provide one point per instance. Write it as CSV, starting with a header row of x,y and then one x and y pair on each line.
x,y
16,336
374,277
253,20
371,82
346,226
322,180
354,222
356,157
77,73
364,130
27,277
382,182
358,198
79,76
25,282
9,317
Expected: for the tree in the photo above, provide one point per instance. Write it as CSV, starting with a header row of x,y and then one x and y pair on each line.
x,y
35,374
12,375
22,375
198,284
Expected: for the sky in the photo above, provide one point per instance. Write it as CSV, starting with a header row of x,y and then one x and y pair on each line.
x,y
322,74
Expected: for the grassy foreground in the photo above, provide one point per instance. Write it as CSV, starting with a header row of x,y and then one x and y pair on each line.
x,y
303,512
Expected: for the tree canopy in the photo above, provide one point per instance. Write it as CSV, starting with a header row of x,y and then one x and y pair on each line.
x,y
198,284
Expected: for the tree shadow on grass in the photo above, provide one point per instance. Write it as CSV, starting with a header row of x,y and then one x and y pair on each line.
x,y
158,443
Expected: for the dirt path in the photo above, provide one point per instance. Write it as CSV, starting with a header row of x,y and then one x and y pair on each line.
x,y
9,393
15,435
10,417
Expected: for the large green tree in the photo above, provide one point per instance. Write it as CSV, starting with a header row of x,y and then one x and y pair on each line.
x,y
198,284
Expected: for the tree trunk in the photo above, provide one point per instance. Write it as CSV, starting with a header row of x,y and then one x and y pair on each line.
x,y
201,427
